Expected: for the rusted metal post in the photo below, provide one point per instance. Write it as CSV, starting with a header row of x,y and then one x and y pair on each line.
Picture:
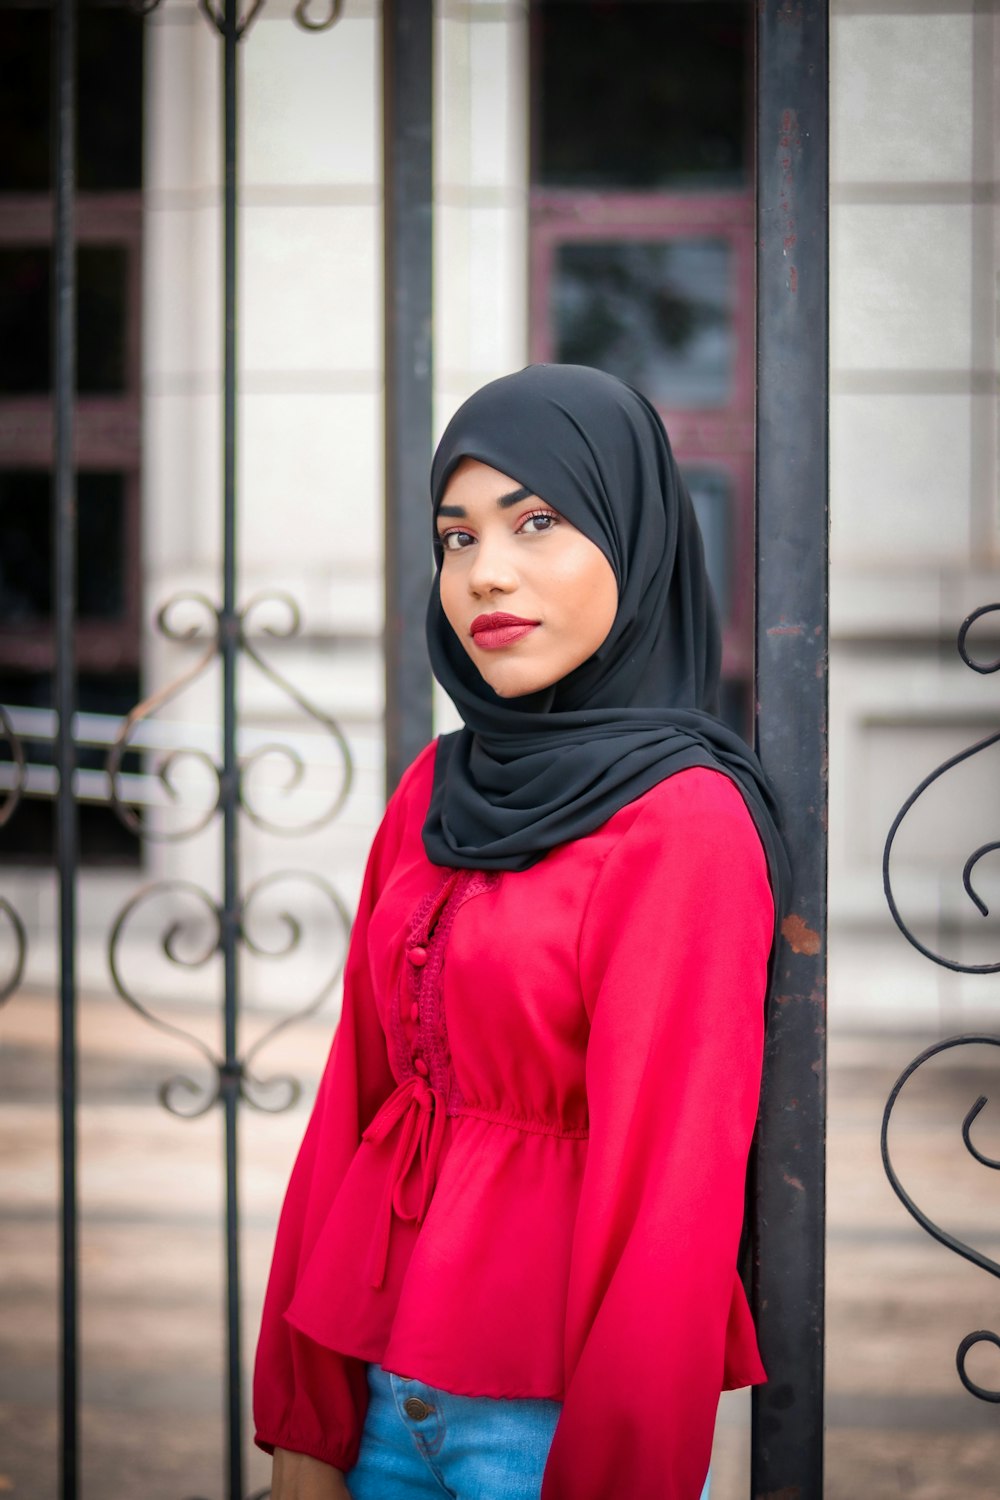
x,y
791,682
407,101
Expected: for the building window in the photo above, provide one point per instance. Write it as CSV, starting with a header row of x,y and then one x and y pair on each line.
x,y
642,245
107,412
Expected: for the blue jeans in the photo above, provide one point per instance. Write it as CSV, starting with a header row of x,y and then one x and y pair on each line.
x,y
421,1441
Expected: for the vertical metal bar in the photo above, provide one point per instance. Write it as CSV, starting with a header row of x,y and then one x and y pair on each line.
x,y
791,681
64,594
229,627
407,37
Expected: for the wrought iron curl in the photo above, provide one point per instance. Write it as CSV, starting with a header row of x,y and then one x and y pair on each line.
x,y
217,18
142,711
182,1094
179,1084
970,661
10,984
254,1089
302,15
8,805
334,11
973,1149
297,765
977,854
981,1336
967,1252
168,764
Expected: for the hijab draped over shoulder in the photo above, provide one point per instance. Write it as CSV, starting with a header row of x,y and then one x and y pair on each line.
x,y
528,773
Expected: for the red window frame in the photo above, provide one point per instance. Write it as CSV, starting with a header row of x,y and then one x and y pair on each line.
x,y
107,428
719,437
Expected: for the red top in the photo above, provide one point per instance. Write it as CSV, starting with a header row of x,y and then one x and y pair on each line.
x,y
524,1172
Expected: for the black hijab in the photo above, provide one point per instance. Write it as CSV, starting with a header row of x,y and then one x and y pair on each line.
x,y
528,773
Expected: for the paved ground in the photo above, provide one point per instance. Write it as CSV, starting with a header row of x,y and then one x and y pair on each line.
x,y
899,1424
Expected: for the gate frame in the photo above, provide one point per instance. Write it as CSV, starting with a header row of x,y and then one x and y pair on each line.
x,y
791,701
791,671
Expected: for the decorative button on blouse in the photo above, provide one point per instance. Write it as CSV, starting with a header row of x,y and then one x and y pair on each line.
x,y
417,957
421,1066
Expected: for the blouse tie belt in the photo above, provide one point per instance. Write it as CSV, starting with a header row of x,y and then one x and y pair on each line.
x,y
421,1109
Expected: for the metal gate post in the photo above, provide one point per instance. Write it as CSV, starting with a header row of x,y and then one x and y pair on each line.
x,y
64,529
791,683
407,50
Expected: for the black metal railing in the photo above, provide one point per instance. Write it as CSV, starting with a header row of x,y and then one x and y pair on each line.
x,y
228,1078
791,447
950,1241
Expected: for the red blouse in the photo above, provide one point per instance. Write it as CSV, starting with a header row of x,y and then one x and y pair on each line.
x,y
524,1171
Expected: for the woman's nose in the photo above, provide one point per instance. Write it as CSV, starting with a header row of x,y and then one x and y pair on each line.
x,y
492,569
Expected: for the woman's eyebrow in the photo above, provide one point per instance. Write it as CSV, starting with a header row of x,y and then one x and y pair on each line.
x,y
504,502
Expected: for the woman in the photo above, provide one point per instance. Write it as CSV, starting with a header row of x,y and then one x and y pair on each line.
x,y
506,1264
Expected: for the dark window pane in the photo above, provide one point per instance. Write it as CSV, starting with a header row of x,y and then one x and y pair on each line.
x,y
102,553
109,148
712,498
26,320
29,836
26,554
101,319
642,93
657,314
24,101
109,100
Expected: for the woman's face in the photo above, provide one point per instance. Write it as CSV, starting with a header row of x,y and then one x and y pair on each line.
x,y
528,595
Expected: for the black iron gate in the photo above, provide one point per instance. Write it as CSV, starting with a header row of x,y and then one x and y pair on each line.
x,y
791,670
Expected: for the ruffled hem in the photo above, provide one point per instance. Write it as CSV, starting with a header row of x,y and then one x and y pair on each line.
x,y
473,1299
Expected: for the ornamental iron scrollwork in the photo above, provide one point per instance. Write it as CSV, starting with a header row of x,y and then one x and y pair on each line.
x,y
182,1094
968,1252
172,759
950,1241
329,13
10,920
202,931
918,792
9,803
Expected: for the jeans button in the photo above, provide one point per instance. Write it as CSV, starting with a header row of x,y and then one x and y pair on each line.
x,y
417,1409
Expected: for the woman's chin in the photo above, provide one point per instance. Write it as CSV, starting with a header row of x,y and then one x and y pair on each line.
x,y
514,685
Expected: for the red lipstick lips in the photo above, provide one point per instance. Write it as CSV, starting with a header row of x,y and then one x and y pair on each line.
x,y
499,629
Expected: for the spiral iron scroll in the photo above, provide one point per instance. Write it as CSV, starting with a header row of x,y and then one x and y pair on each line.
x,y
928,781
959,1247
9,918
967,1252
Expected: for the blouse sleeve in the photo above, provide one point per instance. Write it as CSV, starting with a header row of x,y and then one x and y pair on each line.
x,y
307,1398
673,960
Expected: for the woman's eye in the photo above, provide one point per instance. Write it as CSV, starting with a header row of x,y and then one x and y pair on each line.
x,y
455,541
542,521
